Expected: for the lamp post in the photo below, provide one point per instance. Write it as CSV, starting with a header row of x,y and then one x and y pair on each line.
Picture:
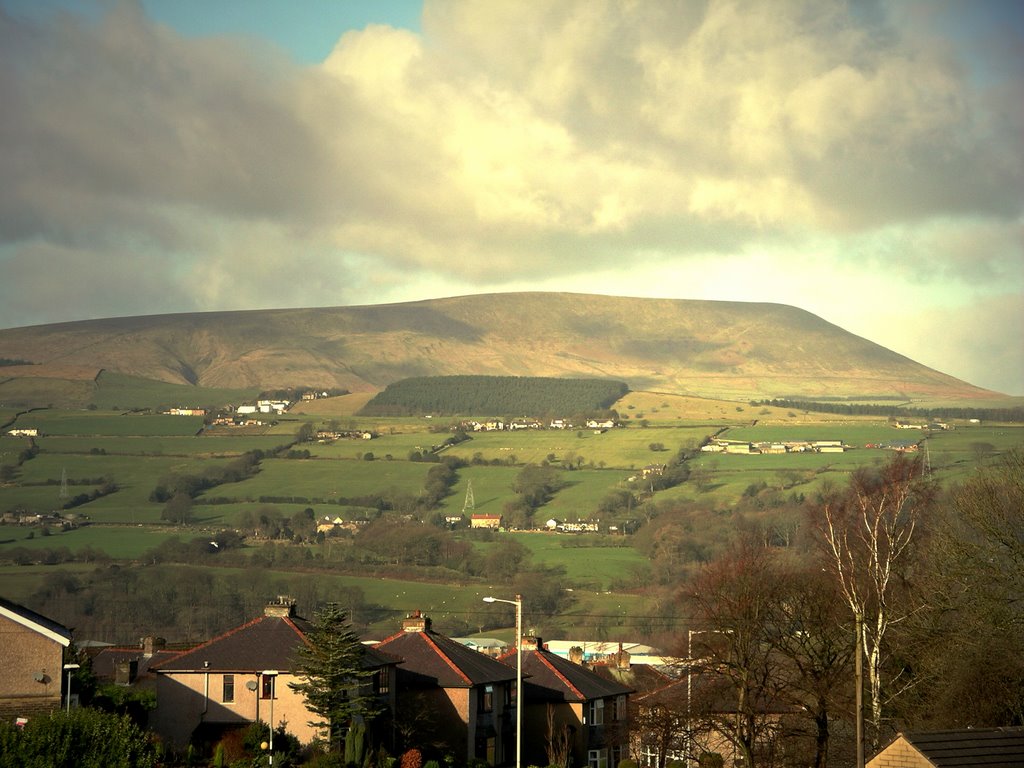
x,y
518,603
272,674
69,668
689,681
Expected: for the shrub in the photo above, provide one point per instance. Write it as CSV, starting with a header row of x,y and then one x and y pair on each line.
x,y
82,738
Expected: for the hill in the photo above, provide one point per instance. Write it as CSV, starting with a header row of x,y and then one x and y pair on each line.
x,y
704,348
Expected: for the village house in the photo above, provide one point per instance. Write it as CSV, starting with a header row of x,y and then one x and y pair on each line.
x,y
452,694
32,662
242,677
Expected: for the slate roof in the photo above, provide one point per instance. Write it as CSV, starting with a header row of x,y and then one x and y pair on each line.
x,y
991,747
268,642
432,659
35,621
554,679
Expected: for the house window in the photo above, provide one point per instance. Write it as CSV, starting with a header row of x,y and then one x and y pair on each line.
x,y
229,689
597,758
595,712
268,686
381,681
487,699
618,708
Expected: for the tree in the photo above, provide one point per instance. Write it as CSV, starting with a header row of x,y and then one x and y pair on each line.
x,y
536,485
178,509
333,675
305,433
972,579
734,598
865,533
814,645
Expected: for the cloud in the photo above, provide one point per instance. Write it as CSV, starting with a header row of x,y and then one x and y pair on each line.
x,y
510,144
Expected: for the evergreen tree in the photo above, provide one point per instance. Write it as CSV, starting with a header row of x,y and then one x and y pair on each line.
x,y
335,682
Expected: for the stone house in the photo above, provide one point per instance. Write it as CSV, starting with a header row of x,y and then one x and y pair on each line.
x,y
569,709
32,661
451,696
242,677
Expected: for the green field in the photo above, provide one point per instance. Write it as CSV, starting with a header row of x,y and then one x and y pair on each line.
x,y
621,448
120,542
116,391
310,478
204,444
108,424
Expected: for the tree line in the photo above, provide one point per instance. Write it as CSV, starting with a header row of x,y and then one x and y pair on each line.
x,y
892,411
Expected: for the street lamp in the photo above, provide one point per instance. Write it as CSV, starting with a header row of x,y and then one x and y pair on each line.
x,y
518,603
69,668
689,681
272,674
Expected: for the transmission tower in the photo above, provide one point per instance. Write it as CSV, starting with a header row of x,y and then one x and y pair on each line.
x,y
469,503
63,483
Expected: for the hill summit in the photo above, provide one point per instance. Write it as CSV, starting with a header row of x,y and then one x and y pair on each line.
x,y
705,348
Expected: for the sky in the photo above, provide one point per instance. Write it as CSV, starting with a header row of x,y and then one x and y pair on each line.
x,y
860,160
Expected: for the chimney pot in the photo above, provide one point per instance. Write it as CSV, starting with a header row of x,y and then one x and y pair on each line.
x,y
416,622
152,644
284,608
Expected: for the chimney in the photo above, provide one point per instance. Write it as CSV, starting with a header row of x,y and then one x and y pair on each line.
x,y
576,655
622,658
125,672
151,645
284,608
532,643
417,622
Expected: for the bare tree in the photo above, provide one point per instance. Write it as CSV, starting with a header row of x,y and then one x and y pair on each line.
x,y
866,533
973,576
739,680
559,739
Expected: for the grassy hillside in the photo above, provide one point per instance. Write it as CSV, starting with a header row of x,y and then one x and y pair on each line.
x,y
731,350
86,449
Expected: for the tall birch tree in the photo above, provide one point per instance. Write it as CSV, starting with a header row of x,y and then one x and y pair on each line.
x,y
866,532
